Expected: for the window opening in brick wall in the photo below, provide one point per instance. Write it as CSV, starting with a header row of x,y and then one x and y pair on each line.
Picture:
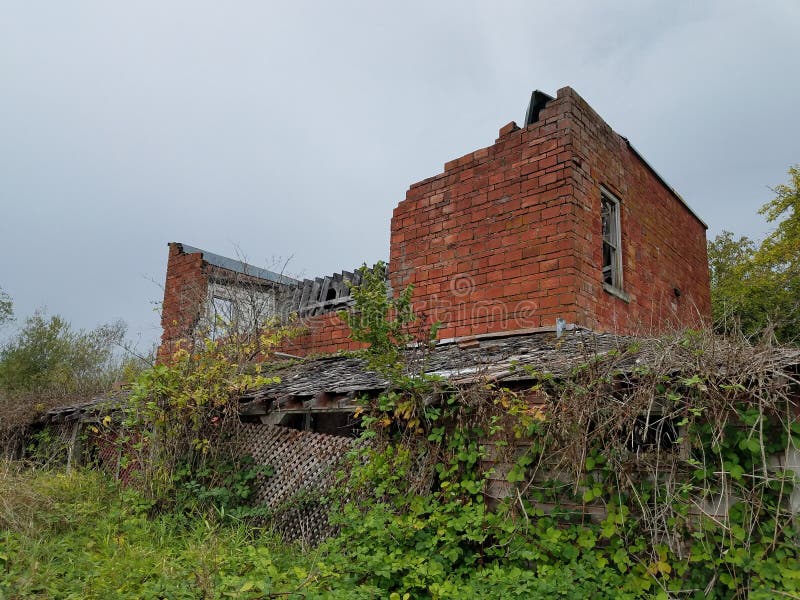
x,y
612,244
222,317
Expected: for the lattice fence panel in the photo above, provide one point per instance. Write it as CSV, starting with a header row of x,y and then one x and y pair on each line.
x,y
105,452
305,465
54,444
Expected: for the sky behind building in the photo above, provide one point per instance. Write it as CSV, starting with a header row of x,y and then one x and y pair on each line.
x,y
289,131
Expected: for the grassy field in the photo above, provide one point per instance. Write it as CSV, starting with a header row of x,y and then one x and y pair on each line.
x,y
80,536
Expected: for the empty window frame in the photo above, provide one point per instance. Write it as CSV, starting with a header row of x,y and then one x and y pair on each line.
x,y
612,241
221,317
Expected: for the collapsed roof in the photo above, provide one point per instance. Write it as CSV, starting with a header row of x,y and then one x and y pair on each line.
x,y
336,383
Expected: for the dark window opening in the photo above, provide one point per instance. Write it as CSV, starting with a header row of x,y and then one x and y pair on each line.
x,y
656,433
343,423
294,421
331,295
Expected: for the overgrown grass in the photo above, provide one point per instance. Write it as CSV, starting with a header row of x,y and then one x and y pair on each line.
x,y
411,504
80,536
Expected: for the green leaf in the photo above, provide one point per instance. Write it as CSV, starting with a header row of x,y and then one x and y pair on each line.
x,y
750,444
736,471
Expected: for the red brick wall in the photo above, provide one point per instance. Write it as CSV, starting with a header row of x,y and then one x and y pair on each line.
x,y
508,237
663,244
185,292
323,334
185,295
489,243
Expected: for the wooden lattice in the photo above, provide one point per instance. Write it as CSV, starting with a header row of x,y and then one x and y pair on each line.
x,y
104,452
61,442
304,463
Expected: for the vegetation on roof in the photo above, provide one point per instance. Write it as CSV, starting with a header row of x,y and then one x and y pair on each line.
x,y
572,467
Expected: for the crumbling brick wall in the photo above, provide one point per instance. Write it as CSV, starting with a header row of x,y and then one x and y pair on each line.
x,y
509,237
311,305
664,260
185,292
321,334
202,286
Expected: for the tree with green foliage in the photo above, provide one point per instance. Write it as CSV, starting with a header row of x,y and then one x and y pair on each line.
x,y
47,356
381,321
6,308
755,288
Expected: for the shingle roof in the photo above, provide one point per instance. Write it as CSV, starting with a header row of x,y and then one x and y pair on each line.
x,y
332,382
509,358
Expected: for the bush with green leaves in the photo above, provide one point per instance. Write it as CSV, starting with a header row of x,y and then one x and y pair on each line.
x,y
680,456
46,363
181,428
6,308
47,355
755,287
386,324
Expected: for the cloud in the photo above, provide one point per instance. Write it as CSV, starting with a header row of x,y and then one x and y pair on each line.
x,y
295,128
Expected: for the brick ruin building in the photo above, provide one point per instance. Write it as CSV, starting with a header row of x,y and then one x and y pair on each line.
x,y
559,222
559,225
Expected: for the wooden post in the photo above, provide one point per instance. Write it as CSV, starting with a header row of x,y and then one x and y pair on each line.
x,y
74,443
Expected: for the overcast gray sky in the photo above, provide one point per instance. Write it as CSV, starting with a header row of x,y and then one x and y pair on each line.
x,y
293,129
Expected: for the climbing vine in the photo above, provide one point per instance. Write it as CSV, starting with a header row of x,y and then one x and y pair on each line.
x,y
661,469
